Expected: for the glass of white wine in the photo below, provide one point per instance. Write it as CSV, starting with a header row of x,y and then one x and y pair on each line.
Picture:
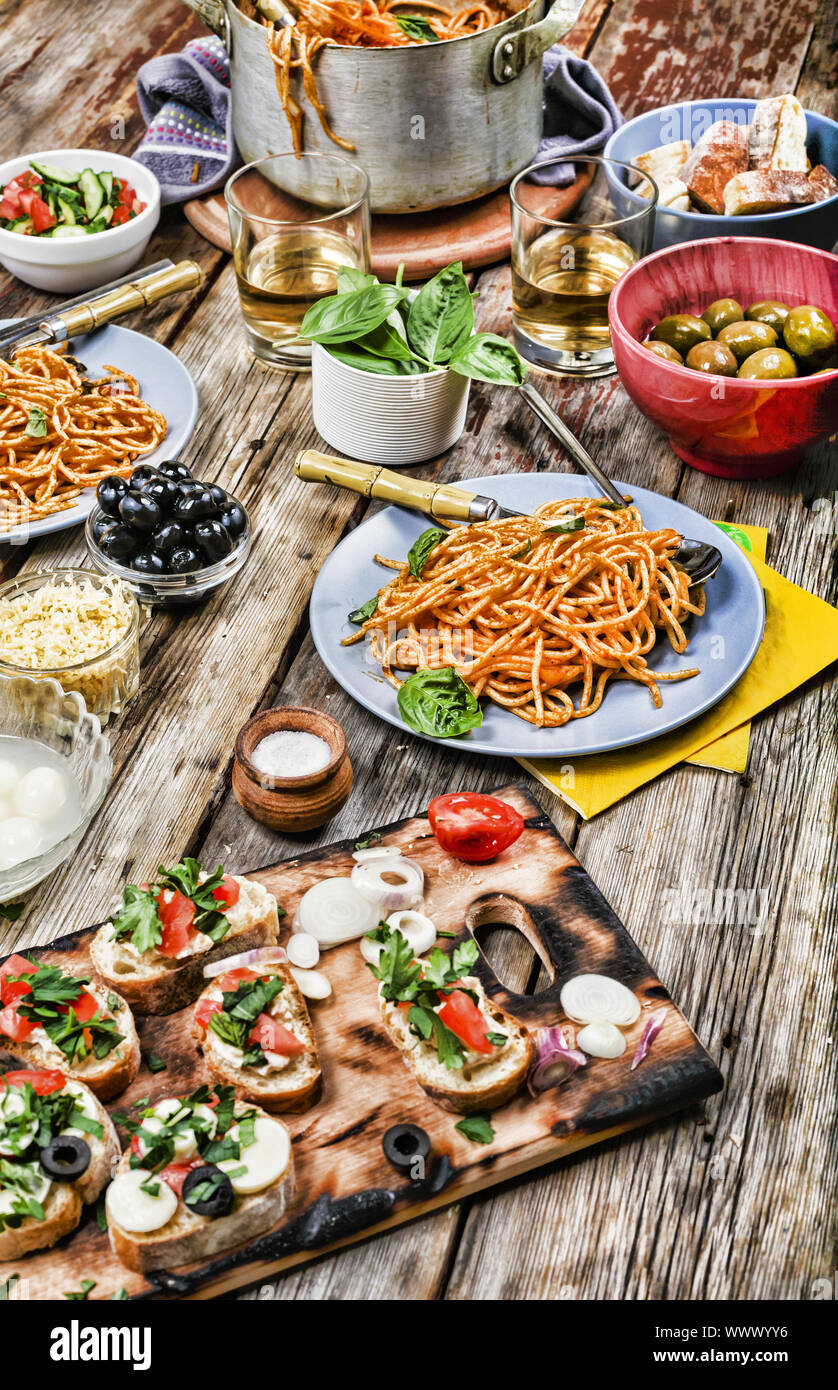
x,y
577,225
294,222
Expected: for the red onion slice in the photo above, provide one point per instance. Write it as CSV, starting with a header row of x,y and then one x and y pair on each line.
x,y
260,955
557,1059
650,1032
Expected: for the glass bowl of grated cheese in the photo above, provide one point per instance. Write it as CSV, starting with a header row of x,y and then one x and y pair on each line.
x,y
75,627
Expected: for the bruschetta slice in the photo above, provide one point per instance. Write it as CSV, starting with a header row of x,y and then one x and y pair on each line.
x,y
51,1018
155,948
58,1148
203,1172
254,1030
466,1052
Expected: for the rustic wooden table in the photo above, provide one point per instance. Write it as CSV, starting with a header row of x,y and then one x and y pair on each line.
x,y
729,1202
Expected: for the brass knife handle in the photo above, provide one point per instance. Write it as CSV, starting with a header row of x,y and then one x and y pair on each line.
x,y
435,499
147,289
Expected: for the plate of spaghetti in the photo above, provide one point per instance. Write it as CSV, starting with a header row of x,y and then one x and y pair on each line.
x,y
563,632
68,419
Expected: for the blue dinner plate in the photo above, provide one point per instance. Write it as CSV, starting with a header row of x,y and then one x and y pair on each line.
x,y
164,382
722,643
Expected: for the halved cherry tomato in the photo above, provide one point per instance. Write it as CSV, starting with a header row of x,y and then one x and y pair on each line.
x,y
474,827
176,916
42,1082
462,1016
205,1010
176,1173
227,891
272,1037
13,1026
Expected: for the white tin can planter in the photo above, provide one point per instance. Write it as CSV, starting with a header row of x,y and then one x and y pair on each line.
x,y
393,420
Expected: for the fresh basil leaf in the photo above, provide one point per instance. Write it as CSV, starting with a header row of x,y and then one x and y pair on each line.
x,y
354,356
415,27
606,505
343,318
524,550
741,537
36,425
101,1215
441,316
350,278
438,703
417,556
563,528
487,357
477,1128
154,1064
388,340
360,615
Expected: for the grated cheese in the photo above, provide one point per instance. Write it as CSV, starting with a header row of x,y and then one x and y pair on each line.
x,y
60,625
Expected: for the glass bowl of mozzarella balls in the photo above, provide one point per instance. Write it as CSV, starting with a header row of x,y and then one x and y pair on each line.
x,y
172,538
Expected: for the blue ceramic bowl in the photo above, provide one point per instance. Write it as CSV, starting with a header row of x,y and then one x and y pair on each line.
x,y
816,225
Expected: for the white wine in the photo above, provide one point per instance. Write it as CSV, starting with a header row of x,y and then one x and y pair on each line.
x,y
561,286
280,277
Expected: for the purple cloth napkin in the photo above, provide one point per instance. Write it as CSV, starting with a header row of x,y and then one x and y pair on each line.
x,y
579,112
185,101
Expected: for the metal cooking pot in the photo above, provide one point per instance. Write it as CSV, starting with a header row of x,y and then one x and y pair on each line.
x,y
432,124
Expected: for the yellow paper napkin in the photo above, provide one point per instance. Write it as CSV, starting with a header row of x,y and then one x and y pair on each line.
x,y
800,639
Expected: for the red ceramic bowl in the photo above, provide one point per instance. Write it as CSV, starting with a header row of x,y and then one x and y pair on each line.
x,y
721,425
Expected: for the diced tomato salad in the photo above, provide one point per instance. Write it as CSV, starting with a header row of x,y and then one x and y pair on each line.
x,y
49,201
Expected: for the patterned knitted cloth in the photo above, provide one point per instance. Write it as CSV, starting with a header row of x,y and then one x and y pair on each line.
x,y
185,101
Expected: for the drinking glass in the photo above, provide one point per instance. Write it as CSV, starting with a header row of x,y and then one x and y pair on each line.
x,y
566,260
294,222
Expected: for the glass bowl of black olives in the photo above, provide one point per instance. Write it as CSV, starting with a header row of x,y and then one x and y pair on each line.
x,y
172,538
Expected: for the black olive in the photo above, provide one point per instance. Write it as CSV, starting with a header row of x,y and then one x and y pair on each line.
x,y
148,562
110,493
65,1158
220,497
195,506
172,468
184,560
141,475
163,491
234,519
168,536
212,539
101,525
407,1148
216,1191
118,543
140,511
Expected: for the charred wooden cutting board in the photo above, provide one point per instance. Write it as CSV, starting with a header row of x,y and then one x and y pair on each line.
x,y
345,1187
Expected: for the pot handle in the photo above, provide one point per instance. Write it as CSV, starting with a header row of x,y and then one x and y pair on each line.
x,y
214,15
516,50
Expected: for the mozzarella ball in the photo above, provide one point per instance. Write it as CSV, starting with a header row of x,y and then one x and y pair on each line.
x,y
40,793
9,778
20,838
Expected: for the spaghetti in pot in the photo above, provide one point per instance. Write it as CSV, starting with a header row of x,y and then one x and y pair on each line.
x,y
61,432
361,23
525,614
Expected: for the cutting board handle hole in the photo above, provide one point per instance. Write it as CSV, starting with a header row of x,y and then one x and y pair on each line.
x,y
510,943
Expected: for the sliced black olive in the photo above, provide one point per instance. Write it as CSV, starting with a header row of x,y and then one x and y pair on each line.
x,y
141,475
184,560
407,1148
234,519
118,543
173,468
195,506
140,511
169,536
164,491
213,540
208,1191
110,493
148,562
65,1158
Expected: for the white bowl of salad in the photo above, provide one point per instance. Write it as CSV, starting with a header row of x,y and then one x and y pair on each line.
x,y
73,219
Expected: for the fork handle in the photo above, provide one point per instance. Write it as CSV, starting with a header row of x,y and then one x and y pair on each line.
x,y
435,499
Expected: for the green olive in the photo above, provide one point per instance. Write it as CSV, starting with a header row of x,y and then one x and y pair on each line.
x,y
722,312
809,334
770,311
745,338
681,331
712,357
665,351
771,363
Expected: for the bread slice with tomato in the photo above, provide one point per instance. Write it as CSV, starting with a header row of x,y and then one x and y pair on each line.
x,y
58,1148
203,1172
466,1052
51,1018
155,948
254,1030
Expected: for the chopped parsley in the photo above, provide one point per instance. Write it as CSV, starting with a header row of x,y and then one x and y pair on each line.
x,y
477,1128
49,1003
139,918
403,979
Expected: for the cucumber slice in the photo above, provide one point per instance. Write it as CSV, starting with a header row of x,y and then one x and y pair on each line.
x,y
106,180
20,224
63,231
66,212
93,192
54,175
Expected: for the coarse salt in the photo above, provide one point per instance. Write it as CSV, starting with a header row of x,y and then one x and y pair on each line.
x,y
291,753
